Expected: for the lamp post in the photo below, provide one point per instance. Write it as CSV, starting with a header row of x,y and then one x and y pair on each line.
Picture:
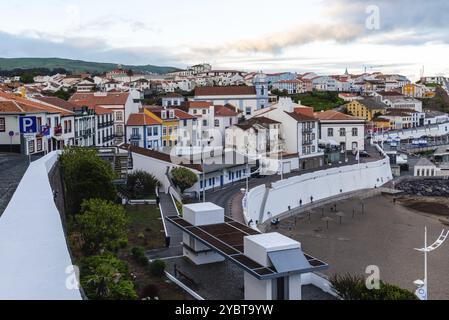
x,y
421,292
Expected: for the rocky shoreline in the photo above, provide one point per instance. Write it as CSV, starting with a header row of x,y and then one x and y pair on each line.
x,y
428,188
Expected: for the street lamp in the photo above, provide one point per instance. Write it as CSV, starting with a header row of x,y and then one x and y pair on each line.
x,y
421,292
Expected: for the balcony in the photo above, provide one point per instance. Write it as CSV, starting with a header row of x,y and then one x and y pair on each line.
x,y
136,137
57,130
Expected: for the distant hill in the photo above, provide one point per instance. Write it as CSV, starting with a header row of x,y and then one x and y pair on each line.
x,y
74,65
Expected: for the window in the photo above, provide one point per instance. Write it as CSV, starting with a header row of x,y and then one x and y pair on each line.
x,y
342,132
195,111
204,123
170,131
39,144
164,114
248,111
204,111
217,123
155,131
150,131
119,116
135,131
355,132
330,132
164,131
31,146
172,114
2,125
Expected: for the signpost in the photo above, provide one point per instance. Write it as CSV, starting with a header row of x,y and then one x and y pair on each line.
x,y
11,134
28,129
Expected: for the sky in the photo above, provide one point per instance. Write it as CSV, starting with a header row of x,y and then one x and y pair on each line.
x,y
323,36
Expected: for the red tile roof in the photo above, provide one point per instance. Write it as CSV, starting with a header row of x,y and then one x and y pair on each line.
x,y
160,156
94,99
224,111
198,104
334,115
225,91
141,119
26,105
300,117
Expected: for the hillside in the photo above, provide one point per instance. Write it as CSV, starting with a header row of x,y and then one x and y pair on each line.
x,y
74,65
438,103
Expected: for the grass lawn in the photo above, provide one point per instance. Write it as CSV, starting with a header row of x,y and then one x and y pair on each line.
x,y
146,230
146,227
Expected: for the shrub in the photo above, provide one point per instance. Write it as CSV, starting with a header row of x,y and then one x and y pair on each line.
x,y
102,225
86,176
104,277
351,287
157,268
183,178
139,255
141,184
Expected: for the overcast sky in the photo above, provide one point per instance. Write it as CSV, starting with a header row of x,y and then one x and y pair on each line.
x,y
324,36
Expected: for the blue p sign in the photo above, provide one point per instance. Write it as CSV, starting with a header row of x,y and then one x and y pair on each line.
x,y
28,124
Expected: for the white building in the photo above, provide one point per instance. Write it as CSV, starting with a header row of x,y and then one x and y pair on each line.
x,y
342,130
299,131
121,103
247,99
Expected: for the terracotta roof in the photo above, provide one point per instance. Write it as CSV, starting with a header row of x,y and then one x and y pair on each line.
x,y
334,115
91,99
300,117
198,104
141,119
224,111
26,105
160,156
225,91
100,110
264,121
307,111
58,102
182,115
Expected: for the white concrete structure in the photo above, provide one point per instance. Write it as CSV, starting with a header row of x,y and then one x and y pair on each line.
x,y
425,168
436,130
258,248
263,203
201,214
36,263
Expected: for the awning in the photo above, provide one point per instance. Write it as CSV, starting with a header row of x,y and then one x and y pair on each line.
x,y
289,260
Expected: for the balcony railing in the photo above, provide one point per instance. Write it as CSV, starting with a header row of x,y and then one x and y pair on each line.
x,y
58,130
136,137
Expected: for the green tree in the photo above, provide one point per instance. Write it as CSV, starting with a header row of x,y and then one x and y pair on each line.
x,y
141,184
183,178
102,225
86,176
351,287
27,78
104,277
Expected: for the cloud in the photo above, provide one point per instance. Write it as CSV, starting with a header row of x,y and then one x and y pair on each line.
x,y
402,22
83,48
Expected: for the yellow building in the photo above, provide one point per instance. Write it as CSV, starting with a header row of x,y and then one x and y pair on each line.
x,y
366,109
381,124
170,124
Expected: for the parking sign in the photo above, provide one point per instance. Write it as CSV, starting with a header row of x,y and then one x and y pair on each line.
x,y
28,124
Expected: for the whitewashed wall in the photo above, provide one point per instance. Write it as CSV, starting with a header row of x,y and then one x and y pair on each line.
x,y
320,185
433,130
33,250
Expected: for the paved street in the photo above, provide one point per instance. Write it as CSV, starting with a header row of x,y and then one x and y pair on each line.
x,y
12,168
